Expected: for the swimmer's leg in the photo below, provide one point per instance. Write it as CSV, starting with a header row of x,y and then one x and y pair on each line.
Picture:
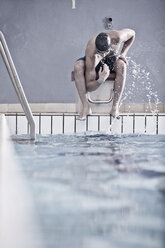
x,y
79,69
120,69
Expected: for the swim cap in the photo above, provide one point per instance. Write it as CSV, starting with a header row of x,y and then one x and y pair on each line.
x,y
103,42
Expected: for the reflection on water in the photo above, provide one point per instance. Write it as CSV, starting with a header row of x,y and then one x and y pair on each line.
x,y
97,190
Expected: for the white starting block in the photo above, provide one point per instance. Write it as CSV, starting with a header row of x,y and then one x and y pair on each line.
x,y
100,100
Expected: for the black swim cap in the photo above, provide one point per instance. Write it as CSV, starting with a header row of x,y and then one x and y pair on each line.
x,y
103,42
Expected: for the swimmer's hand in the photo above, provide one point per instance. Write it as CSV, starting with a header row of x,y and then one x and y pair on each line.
x,y
103,74
122,57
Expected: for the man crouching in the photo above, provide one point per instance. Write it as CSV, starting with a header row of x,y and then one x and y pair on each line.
x,y
102,61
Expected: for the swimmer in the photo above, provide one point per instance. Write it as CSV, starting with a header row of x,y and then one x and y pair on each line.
x,y
102,61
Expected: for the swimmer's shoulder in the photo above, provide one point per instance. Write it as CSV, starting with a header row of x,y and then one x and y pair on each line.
x,y
90,48
126,33
122,34
91,42
114,35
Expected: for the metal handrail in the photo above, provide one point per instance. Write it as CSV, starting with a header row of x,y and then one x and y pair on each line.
x,y
99,101
17,84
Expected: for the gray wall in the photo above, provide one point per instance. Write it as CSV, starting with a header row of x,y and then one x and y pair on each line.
x,y
45,37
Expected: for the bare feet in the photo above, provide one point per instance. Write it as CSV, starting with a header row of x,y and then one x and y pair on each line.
x,y
86,111
115,112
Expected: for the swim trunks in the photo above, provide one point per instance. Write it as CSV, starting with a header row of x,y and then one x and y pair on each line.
x,y
82,58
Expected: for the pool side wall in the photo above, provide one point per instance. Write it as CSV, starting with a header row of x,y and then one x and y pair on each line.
x,y
71,108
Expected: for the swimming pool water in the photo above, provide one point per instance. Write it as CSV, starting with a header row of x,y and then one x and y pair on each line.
x,y
96,190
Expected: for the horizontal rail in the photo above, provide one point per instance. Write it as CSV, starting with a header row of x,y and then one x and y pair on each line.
x,y
67,123
99,101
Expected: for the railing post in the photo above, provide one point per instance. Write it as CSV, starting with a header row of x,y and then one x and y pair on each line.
x,y
17,84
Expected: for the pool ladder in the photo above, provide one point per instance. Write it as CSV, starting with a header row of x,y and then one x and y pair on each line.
x,y
17,84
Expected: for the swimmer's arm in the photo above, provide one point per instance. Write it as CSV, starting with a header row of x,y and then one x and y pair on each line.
x,y
90,75
127,36
91,82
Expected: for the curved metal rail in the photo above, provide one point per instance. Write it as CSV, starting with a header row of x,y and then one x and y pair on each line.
x,y
17,84
99,101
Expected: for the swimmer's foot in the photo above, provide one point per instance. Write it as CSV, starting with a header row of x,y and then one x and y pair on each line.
x,y
86,111
115,112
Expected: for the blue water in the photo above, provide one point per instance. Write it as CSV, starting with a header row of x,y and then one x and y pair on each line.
x,y
96,190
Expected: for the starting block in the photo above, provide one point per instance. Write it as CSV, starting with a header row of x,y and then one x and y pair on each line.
x,y
100,100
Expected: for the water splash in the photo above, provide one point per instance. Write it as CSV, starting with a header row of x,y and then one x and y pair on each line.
x,y
142,82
